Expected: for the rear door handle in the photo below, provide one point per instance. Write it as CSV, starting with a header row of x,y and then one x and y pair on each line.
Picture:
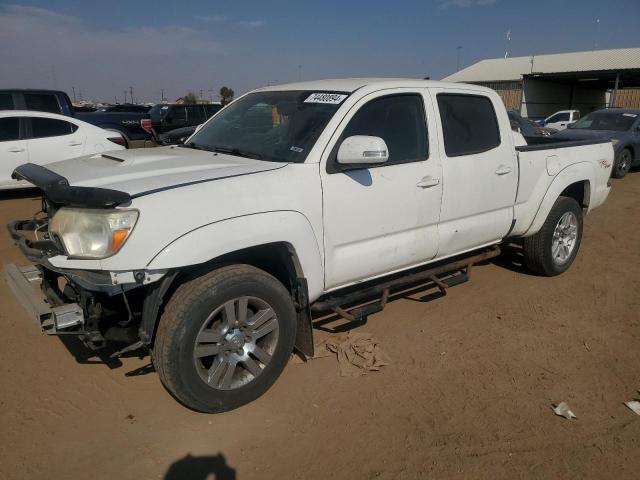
x,y
74,143
15,149
428,181
503,170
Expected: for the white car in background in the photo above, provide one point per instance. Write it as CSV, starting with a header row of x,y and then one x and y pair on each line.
x,y
561,120
41,138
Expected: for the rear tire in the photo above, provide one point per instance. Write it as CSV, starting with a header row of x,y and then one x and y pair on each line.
x,y
622,165
553,249
211,350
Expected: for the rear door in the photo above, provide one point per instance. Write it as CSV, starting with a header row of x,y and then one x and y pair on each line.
x,y
383,218
51,139
13,149
479,170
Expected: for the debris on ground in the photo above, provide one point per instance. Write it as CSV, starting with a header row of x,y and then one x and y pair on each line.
x,y
562,410
357,353
634,406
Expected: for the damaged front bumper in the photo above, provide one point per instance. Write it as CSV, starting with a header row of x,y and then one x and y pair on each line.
x,y
98,306
25,283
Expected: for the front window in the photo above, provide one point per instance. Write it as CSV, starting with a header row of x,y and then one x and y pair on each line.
x,y
559,117
616,121
277,126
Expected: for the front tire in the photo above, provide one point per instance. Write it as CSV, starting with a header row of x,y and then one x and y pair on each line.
x,y
225,338
553,249
622,164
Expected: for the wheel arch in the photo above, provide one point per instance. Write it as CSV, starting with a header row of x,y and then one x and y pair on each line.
x,y
575,181
296,262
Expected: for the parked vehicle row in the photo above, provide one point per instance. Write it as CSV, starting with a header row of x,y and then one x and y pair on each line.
x,y
42,138
139,125
358,188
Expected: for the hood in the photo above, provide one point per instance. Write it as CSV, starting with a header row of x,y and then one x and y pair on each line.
x,y
584,134
141,171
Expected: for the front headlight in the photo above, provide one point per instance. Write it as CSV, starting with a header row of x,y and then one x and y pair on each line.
x,y
92,233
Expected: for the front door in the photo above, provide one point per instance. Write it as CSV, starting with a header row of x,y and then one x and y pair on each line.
x,y
384,218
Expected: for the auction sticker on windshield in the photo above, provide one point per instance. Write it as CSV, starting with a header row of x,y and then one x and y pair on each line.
x,y
332,98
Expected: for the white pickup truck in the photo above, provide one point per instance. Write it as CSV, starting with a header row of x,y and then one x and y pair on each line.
x,y
321,196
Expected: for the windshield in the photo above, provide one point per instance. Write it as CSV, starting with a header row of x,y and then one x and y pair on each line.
x,y
616,121
274,126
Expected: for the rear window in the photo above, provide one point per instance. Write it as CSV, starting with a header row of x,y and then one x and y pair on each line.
x,y
9,129
6,101
42,102
469,124
50,127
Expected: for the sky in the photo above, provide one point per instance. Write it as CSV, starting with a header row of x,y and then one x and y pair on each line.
x,y
101,48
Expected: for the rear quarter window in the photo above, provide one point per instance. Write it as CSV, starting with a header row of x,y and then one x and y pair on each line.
x,y
469,124
50,127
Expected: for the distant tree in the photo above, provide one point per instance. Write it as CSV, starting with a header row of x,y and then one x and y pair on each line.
x,y
226,95
190,97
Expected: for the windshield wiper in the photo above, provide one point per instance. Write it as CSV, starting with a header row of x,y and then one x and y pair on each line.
x,y
237,152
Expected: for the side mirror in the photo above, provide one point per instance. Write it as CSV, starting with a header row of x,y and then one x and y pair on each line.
x,y
362,149
199,127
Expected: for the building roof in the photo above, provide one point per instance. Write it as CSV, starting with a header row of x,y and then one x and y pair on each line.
x,y
502,69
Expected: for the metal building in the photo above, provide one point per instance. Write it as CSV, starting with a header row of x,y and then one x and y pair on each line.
x,y
539,85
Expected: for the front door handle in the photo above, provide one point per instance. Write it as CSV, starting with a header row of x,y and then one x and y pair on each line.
x,y
428,181
503,170
15,149
74,143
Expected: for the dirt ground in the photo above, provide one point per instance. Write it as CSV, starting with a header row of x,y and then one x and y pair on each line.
x,y
468,394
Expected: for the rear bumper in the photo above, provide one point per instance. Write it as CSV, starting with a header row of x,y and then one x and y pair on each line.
x,y
25,283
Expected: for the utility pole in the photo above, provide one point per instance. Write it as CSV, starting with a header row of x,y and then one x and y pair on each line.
x,y
210,94
74,93
201,98
162,95
506,53
54,78
459,48
131,91
125,96
115,99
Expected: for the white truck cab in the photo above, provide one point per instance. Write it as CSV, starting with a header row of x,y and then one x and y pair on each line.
x,y
561,119
312,196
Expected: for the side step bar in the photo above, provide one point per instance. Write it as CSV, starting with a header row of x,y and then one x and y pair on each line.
x,y
443,276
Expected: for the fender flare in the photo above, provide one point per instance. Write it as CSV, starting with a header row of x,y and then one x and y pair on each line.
x,y
211,241
575,173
